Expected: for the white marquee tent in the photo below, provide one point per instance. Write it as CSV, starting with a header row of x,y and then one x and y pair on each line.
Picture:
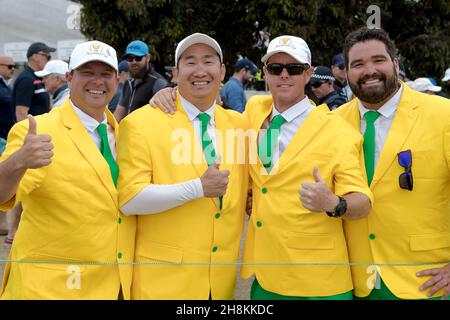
x,y
54,22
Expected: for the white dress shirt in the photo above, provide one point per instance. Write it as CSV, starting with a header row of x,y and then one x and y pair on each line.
x,y
383,123
91,126
159,197
294,116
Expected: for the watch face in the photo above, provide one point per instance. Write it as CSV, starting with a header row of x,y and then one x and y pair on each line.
x,y
341,207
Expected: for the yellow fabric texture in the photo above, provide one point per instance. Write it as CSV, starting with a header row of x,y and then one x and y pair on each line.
x,y
175,252
283,237
405,227
70,217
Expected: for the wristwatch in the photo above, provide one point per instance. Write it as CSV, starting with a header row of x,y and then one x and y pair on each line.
x,y
340,209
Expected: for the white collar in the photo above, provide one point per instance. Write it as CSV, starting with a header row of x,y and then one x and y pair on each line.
x,y
193,112
386,109
88,122
293,112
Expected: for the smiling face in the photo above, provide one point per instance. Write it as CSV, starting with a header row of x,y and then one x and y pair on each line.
x,y
92,86
372,74
286,89
199,74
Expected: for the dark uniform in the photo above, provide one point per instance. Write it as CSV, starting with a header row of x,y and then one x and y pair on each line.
x,y
137,92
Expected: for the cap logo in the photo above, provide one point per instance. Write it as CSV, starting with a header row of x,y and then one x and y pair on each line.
x,y
285,41
95,48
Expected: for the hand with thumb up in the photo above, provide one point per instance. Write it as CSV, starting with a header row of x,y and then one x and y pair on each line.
x,y
316,196
36,150
215,181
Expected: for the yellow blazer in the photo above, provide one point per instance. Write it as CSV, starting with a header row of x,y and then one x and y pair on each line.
x,y
291,250
409,229
70,218
191,250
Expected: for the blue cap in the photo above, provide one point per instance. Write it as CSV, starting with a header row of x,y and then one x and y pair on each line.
x,y
247,64
432,81
338,59
123,66
137,48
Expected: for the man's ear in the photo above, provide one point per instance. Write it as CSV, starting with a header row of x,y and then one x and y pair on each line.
x,y
265,72
396,65
308,73
174,74
222,72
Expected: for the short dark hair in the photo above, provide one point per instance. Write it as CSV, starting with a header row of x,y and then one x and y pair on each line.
x,y
365,34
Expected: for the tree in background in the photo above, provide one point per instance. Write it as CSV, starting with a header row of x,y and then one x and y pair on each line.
x,y
421,29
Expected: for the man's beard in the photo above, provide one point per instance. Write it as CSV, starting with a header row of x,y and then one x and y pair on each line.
x,y
139,73
375,95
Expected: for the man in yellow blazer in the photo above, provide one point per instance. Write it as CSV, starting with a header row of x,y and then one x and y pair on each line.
x,y
407,159
296,248
61,167
189,203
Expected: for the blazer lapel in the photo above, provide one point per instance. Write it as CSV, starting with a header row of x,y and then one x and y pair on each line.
x,y
257,119
80,137
184,132
223,142
312,125
401,128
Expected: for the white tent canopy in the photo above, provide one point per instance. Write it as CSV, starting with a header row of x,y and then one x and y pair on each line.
x,y
54,22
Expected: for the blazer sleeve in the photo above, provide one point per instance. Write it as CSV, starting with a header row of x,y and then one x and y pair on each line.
x,y
349,176
134,160
447,144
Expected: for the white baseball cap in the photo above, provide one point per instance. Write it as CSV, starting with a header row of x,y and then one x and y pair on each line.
x,y
93,51
53,66
296,47
424,84
446,75
196,38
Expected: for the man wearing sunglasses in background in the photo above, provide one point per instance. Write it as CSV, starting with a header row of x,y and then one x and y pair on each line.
x,y
322,85
340,74
29,93
7,68
404,244
144,81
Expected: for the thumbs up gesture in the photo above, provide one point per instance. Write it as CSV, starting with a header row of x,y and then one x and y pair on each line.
x,y
316,196
36,150
214,180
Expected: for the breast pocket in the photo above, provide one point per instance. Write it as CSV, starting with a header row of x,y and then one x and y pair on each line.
x,y
161,252
56,277
303,241
429,242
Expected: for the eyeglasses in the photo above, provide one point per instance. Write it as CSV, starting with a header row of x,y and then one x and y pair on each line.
x,y
9,66
317,84
341,67
293,69
406,178
131,58
48,56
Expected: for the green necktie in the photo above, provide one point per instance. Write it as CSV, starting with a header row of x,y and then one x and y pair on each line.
x,y
369,143
106,152
267,143
207,145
